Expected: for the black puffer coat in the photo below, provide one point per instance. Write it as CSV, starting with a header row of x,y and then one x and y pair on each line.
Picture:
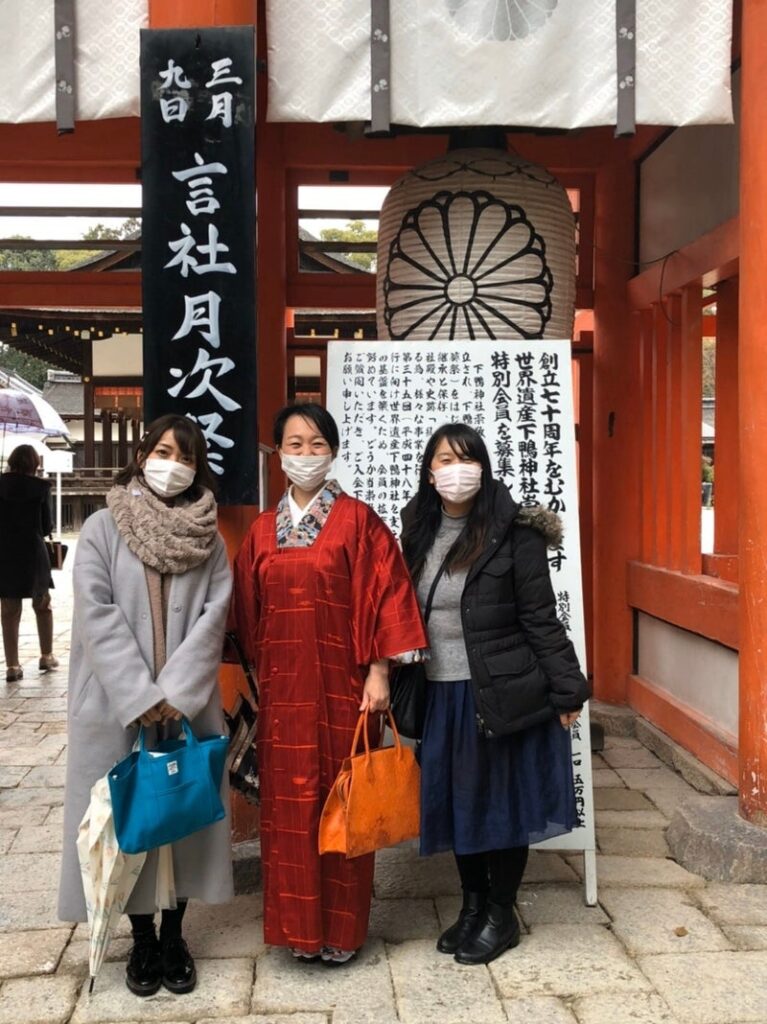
x,y
25,519
524,669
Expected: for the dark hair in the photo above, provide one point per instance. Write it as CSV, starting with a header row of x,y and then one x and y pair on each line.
x,y
318,415
24,459
419,535
190,440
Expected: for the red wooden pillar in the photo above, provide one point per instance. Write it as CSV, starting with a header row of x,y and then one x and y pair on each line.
x,y
660,436
272,287
752,380
617,429
674,429
726,454
197,13
649,469
689,414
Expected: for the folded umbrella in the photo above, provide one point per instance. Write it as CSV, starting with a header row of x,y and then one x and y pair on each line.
x,y
108,874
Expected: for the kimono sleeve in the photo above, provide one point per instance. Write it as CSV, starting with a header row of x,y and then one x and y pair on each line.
x,y
245,608
386,617
109,642
190,675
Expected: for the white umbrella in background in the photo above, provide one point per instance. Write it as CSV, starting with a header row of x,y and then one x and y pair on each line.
x,y
27,417
22,413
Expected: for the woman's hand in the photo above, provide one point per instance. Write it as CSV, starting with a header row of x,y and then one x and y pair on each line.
x,y
162,712
375,695
168,712
569,718
152,716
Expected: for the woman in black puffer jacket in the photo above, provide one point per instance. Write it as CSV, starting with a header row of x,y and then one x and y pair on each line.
x,y
504,685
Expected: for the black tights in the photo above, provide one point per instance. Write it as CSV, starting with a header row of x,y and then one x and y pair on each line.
x,y
495,872
170,926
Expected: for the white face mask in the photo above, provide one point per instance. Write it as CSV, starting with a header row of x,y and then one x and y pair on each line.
x,y
458,482
308,472
167,477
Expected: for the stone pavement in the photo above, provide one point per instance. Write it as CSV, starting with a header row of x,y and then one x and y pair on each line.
x,y
662,947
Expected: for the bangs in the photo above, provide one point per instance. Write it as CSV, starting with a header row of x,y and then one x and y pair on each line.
x,y
464,441
187,438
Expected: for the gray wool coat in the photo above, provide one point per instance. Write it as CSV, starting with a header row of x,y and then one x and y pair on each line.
x,y
111,683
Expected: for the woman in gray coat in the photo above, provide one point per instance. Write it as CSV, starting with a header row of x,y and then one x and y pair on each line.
x,y
151,586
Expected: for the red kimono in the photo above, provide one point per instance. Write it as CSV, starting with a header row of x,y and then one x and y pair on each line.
x,y
312,618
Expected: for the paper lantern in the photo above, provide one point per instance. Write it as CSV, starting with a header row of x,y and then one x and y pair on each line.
x,y
477,244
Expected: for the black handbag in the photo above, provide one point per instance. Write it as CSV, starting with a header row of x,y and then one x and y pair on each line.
x,y
408,684
57,553
241,721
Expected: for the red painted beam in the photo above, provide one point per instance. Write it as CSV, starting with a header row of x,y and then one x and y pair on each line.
x,y
700,604
712,258
119,289
696,733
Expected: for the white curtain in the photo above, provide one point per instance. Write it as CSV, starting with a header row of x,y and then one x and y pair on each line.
x,y
106,59
538,63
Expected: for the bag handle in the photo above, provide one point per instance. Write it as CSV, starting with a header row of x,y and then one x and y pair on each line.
x,y
433,590
234,640
186,728
362,727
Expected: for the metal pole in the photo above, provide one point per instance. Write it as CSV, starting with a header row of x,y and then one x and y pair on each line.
x,y
58,506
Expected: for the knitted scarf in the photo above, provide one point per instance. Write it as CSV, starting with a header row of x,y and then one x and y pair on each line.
x,y
168,538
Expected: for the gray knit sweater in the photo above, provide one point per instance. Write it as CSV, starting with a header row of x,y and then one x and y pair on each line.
x,y
449,660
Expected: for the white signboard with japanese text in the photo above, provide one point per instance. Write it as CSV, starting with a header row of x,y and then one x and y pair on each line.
x,y
388,398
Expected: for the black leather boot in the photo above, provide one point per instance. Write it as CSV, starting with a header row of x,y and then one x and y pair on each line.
x,y
468,920
143,975
498,931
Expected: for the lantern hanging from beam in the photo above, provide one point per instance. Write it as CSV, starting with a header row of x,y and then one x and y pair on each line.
x,y
477,244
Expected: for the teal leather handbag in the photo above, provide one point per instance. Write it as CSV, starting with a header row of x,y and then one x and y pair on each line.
x,y
162,795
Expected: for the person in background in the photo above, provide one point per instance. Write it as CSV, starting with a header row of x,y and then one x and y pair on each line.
x,y
322,603
504,685
25,569
152,588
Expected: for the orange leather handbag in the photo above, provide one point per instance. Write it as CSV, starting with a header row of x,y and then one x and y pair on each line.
x,y
375,800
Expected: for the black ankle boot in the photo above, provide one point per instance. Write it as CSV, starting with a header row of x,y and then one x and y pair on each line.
x,y
143,975
179,974
497,932
468,919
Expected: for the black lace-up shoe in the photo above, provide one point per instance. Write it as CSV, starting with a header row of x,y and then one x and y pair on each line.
x,y
179,974
143,975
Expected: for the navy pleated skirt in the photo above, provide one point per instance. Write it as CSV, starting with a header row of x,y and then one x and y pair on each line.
x,y
481,794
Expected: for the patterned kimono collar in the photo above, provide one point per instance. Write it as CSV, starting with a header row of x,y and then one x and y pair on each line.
x,y
315,517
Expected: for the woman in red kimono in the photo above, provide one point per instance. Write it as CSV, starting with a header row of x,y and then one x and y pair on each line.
x,y
323,601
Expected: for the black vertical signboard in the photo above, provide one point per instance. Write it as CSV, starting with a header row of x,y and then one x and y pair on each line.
x,y
198,242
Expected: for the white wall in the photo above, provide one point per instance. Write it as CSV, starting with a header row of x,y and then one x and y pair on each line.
x,y
689,185
118,356
693,670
